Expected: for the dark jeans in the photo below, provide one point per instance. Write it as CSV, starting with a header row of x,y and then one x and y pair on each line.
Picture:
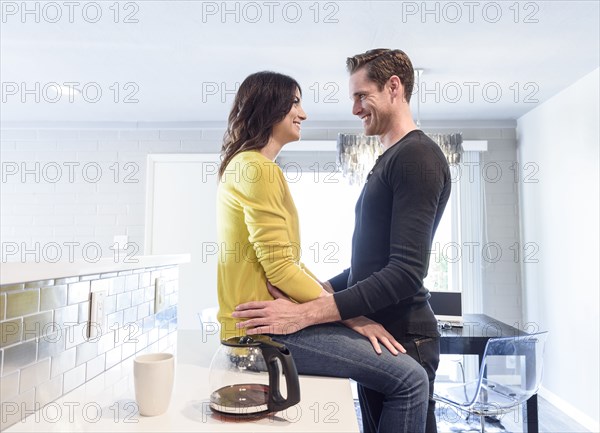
x,y
335,350
426,351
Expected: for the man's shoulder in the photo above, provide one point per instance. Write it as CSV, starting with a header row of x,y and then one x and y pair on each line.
x,y
417,147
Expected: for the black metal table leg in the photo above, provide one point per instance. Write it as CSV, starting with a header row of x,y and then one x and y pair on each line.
x,y
530,415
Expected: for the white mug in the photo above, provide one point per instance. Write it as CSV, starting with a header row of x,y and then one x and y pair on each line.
x,y
153,379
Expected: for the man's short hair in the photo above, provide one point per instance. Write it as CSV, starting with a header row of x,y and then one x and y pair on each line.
x,y
381,64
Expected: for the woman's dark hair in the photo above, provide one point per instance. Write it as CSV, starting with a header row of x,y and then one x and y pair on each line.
x,y
263,100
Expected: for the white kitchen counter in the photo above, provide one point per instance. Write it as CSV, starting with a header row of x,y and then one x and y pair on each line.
x,y
12,273
106,403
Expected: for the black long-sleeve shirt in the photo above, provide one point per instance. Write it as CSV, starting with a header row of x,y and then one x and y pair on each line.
x,y
397,214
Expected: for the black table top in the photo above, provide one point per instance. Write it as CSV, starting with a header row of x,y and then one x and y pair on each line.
x,y
472,337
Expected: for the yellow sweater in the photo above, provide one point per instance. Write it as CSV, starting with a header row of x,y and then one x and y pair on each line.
x,y
259,238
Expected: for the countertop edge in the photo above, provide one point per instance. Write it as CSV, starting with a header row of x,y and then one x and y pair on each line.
x,y
12,273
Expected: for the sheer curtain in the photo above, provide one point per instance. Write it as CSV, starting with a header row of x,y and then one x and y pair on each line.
x,y
469,217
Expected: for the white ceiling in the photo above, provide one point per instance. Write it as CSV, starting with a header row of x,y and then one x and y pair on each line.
x,y
178,55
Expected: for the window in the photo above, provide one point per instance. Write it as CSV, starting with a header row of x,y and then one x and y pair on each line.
x,y
325,204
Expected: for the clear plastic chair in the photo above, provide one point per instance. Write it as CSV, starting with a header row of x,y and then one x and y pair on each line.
x,y
510,373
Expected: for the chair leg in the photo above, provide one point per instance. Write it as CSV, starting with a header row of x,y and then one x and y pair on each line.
x,y
482,419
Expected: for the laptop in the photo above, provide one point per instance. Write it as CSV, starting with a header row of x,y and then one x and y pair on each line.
x,y
447,307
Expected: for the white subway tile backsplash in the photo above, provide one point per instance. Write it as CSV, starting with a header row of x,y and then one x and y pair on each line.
x,y
144,279
78,292
51,344
20,406
18,356
114,319
67,280
131,282
74,378
137,296
11,332
142,342
130,315
9,386
84,312
107,341
95,366
99,285
38,325
123,301
75,335
86,352
49,391
128,349
67,316
34,375
113,356
56,363
118,285
63,361
22,303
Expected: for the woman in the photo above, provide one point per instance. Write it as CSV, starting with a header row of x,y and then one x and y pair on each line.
x,y
259,239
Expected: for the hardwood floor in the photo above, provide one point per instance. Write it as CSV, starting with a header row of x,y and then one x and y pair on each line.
x,y
551,420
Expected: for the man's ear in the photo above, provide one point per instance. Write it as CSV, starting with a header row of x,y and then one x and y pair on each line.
x,y
396,87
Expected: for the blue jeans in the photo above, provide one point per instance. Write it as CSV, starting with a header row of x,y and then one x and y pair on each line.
x,y
426,351
335,350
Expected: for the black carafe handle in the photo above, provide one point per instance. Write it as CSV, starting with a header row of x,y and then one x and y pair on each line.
x,y
273,352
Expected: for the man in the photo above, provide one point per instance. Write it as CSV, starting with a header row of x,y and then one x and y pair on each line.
x,y
397,214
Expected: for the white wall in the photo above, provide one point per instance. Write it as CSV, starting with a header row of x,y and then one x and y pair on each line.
x,y
560,214
39,212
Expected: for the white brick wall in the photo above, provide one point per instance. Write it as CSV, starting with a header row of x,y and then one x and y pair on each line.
x,y
39,206
84,211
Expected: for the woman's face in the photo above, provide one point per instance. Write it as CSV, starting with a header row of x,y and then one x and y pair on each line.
x,y
288,129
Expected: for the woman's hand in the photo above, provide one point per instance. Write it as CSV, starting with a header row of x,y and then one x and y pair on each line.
x,y
376,333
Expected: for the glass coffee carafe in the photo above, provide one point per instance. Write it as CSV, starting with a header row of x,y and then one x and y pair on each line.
x,y
245,377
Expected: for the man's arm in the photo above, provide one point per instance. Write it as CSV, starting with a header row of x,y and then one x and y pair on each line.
x,y
284,317
340,281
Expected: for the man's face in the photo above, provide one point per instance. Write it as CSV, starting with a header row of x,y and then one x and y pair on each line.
x,y
372,105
